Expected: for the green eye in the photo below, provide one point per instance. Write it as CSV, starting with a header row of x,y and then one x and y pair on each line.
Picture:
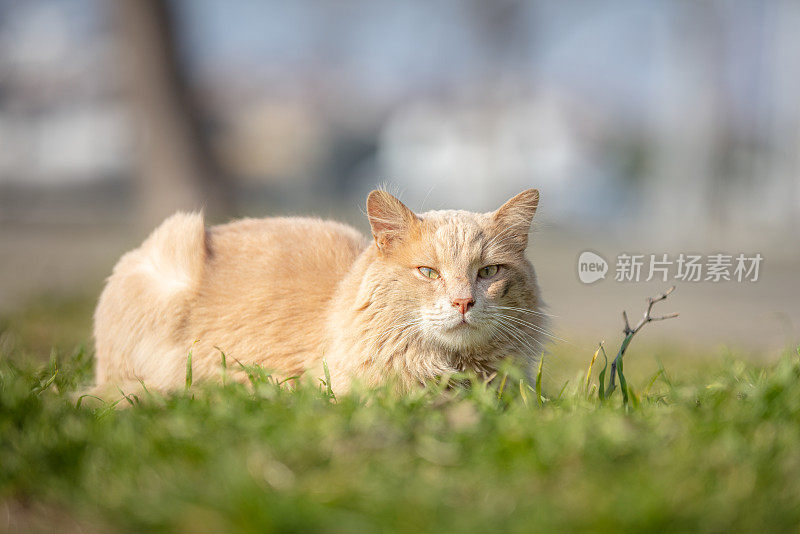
x,y
427,272
488,271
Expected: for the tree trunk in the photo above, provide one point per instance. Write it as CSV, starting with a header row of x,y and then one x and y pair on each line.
x,y
176,169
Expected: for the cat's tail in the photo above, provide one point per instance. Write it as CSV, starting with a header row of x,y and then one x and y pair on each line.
x,y
139,314
174,255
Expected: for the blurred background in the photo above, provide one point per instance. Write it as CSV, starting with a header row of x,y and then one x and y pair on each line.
x,y
648,126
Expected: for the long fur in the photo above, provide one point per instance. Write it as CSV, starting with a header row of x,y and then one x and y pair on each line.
x,y
288,293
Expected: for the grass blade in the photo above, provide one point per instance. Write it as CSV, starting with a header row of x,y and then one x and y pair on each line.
x,y
224,358
189,371
591,364
224,365
80,400
623,386
126,397
49,382
601,379
652,381
561,392
189,366
502,386
328,388
539,381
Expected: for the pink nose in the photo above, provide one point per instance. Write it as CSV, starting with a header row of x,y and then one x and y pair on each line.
x,y
463,305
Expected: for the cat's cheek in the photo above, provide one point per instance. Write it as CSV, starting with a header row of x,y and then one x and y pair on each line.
x,y
498,289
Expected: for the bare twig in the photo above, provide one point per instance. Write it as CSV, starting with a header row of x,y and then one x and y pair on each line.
x,y
630,332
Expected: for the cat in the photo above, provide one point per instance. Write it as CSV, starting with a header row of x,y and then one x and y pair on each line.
x,y
429,295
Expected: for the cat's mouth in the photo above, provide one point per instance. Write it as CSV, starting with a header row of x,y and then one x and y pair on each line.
x,y
463,334
462,324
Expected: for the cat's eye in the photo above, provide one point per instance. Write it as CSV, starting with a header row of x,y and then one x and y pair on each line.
x,y
427,272
488,271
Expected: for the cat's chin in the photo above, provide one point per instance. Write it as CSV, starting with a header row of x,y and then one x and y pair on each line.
x,y
462,336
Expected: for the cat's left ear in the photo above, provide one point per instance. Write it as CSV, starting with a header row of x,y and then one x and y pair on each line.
x,y
388,217
513,219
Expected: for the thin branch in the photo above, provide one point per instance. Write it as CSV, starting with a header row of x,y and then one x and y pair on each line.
x,y
630,332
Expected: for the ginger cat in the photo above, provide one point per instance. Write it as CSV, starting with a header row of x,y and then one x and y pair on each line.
x,y
432,294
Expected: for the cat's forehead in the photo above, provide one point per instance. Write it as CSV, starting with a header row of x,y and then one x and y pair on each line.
x,y
455,233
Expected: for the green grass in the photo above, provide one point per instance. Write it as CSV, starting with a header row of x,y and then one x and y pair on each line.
x,y
714,449
719,453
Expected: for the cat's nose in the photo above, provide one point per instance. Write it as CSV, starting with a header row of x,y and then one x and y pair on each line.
x,y
463,305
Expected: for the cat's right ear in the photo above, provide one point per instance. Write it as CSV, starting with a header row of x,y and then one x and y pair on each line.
x,y
388,217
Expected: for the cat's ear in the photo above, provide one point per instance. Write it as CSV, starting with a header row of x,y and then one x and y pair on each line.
x,y
513,219
388,217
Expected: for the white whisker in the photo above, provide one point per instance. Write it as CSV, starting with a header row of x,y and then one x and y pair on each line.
x,y
525,310
515,334
537,328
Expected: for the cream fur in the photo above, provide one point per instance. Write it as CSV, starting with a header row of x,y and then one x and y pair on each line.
x,y
286,293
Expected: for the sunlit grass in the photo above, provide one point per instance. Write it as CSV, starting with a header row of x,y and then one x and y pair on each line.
x,y
706,442
717,451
